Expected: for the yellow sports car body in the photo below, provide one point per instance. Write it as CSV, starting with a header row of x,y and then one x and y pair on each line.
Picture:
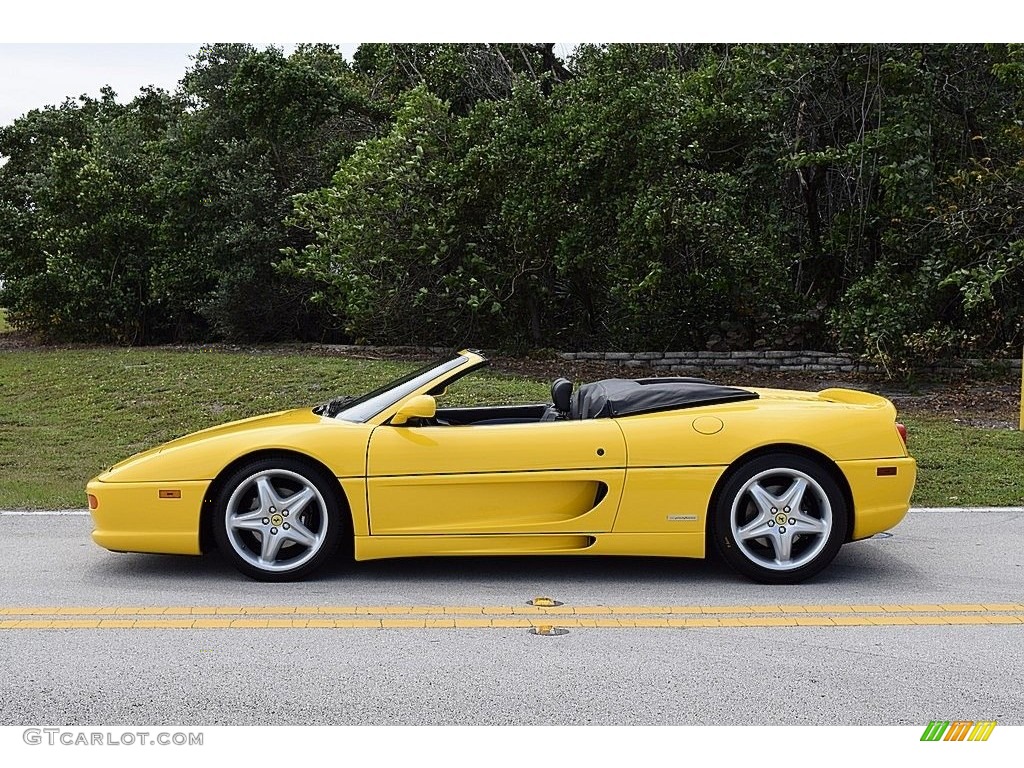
x,y
778,480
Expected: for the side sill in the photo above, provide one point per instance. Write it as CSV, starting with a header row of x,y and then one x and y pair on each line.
x,y
635,544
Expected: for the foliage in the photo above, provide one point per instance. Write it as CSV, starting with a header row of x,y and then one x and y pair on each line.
x,y
549,217
943,272
162,218
867,197
263,127
78,253
382,239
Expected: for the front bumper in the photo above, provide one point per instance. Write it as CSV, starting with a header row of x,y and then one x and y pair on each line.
x,y
137,517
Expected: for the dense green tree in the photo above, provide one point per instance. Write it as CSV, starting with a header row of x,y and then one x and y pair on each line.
x,y
384,230
462,75
614,211
262,127
909,198
162,219
862,196
79,219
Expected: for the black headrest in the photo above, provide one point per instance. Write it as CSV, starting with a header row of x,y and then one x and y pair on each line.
x,y
561,394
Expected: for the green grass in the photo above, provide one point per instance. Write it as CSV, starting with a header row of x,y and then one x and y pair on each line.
x,y
65,415
962,466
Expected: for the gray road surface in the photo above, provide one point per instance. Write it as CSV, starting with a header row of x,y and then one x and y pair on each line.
x,y
847,675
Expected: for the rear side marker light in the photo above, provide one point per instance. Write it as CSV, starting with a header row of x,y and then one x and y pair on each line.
x,y
170,494
94,503
886,471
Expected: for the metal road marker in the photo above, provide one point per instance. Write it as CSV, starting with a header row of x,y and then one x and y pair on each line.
x,y
544,602
546,630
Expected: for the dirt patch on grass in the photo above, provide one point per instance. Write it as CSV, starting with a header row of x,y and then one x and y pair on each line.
x,y
15,340
992,404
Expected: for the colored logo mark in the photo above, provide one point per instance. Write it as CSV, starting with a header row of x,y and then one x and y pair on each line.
x,y
958,730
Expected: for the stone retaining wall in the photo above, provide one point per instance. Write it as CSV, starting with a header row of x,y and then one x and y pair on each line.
x,y
772,360
695,362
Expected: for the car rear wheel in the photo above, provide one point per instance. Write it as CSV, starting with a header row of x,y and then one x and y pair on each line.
x,y
277,519
780,519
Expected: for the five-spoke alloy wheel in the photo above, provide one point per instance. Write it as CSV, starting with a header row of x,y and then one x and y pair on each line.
x,y
780,519
277,519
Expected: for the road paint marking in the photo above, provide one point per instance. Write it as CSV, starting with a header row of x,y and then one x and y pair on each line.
x,y
483,611
891,620
641,622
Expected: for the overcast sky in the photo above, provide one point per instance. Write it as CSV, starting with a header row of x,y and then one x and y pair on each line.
x,y
38,75
35,75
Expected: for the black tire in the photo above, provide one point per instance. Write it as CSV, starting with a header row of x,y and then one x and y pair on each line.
x,y
252,507
756,499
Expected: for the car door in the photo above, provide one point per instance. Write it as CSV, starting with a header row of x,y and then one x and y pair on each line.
x,y
539,477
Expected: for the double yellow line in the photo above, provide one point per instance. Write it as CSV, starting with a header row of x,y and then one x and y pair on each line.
x,y
505,616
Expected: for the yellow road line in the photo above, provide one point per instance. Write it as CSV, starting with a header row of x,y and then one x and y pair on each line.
x,y
481,611
637,622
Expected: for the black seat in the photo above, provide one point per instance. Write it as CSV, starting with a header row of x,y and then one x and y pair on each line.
x,y
561,396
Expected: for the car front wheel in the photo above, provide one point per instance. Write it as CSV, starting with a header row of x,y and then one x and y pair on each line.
x,y
780,519
277,519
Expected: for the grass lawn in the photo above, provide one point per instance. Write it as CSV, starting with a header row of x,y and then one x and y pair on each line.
x,y
65,415
961,466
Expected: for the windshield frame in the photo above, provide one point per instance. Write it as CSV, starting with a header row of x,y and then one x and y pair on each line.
x,y
372,404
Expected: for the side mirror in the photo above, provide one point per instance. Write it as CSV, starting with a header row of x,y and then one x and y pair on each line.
x,y
419,407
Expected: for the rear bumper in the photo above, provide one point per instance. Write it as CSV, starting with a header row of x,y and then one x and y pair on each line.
x,y
133,517
879,501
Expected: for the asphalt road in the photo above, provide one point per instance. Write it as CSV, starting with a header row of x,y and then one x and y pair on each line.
x,y
924,625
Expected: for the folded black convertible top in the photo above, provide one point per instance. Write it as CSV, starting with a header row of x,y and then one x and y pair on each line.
x,y
609,398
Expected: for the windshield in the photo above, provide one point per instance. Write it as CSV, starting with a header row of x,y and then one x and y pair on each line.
x,y
369,405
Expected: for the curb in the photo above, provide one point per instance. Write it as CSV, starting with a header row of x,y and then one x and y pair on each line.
x,y
43,512
966,509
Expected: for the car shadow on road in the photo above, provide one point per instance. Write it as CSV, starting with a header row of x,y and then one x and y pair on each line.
x,y
863,564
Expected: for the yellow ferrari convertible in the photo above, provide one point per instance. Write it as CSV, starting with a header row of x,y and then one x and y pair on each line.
x,y
776,480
